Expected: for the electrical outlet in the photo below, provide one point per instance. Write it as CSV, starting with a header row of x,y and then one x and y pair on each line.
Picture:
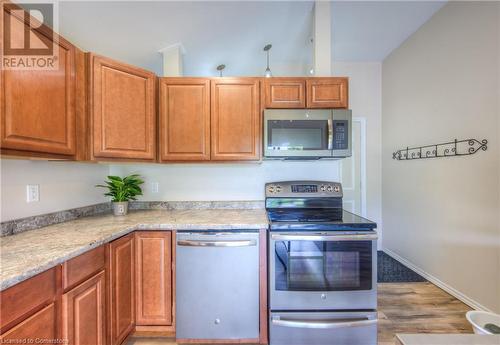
x,y
155,187
32,193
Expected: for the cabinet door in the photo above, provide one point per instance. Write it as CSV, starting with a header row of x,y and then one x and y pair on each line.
x,y
285,92
37,107
184,119
154,278
83,312
327,93
41,325
123,112
122,292
235,115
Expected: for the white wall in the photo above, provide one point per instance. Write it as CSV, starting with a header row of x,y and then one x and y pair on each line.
x,y
63,185
442,215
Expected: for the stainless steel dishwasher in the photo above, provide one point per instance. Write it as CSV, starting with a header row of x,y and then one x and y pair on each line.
x,y
217,285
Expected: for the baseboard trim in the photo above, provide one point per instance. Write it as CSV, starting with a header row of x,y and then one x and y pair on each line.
x,y
452,291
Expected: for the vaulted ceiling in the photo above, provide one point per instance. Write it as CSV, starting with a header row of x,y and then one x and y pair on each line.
x,y
234,33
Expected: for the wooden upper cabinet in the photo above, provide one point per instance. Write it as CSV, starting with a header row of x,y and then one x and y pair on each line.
x,y
122,292
154,278
284,92
184,119
37,107
123,110
235,119
83,311
327,92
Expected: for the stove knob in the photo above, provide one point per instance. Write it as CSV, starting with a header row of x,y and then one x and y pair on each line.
x,y
271,189
336,189
330,188
278,189
322,188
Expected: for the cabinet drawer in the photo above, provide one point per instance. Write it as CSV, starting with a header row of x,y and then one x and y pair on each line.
x,y
83,266
34,330
22,298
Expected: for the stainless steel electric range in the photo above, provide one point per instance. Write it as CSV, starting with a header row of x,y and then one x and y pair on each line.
x,y
322,265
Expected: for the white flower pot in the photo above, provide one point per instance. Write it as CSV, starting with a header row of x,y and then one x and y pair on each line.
x,y
120,208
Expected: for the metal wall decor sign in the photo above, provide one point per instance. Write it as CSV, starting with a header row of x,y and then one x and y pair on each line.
x,y
450,149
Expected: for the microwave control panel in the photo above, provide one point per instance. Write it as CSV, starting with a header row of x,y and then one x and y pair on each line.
x,y
340,134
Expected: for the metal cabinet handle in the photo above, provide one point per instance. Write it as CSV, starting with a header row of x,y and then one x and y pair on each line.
x,y
319,324
239,243
312,237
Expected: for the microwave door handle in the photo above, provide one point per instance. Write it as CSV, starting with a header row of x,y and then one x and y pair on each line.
x,y
330,134
319,324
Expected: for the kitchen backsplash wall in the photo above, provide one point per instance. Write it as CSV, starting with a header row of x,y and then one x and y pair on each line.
x,y
223,181
63,186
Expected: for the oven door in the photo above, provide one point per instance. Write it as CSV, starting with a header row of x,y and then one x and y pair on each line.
x,y
323,271
298,133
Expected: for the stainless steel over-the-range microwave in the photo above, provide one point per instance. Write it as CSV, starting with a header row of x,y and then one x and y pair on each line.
x,y
307,133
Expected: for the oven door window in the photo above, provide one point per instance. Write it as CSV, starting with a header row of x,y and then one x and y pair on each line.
x,y
323,265
298,134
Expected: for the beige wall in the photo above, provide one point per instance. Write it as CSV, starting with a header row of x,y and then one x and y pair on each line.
x,y
63,185
365,100
442,215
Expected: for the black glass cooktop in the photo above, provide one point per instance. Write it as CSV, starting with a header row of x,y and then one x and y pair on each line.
x,y
317,220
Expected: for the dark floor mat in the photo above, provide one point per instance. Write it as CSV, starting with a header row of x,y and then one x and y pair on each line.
x,y
392,271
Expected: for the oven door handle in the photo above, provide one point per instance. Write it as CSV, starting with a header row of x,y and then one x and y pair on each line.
x,y
323,324
318,237
197,243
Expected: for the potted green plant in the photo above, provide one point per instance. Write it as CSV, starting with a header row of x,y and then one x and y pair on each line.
x,y
121,190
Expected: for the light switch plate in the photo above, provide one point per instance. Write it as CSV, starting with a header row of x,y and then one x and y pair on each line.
x,y
155,187
32,193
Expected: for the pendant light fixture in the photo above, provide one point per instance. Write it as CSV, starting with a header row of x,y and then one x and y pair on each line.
x,y
268,73
220,68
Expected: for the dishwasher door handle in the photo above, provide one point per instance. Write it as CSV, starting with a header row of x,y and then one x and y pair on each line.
x,y
230,243
322,324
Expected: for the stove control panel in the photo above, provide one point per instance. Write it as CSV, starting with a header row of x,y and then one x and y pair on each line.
x,y
309,189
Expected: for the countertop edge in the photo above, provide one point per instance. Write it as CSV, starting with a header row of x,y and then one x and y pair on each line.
x,y
7,283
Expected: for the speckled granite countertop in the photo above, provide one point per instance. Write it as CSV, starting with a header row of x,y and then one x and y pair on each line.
x,y
26,254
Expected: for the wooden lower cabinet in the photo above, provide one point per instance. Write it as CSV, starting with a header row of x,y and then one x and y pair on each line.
x,y
121,274
40,328
84,312
154,278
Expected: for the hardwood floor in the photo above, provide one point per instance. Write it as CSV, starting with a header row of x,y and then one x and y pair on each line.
x,y
418,308
403,308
